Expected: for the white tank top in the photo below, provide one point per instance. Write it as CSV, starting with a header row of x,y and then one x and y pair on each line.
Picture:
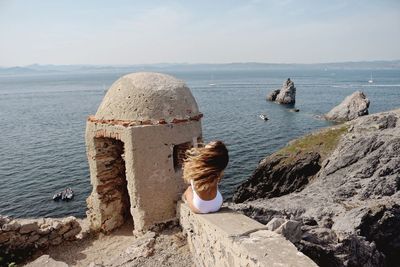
x,y
206,206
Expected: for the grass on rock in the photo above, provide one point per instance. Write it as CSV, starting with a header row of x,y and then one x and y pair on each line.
x,y
322,142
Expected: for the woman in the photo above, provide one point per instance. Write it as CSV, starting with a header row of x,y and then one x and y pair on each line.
x,y
203,170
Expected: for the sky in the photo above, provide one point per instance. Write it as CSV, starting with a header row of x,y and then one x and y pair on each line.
x,y
123,32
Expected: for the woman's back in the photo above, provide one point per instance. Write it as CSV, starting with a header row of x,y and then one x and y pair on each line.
x,y
204,202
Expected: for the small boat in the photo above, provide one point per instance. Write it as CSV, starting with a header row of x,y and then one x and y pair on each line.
x,y
264,117
212,83
294,110
65,195
371,80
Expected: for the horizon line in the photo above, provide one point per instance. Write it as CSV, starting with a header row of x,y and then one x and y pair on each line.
x,y
198,63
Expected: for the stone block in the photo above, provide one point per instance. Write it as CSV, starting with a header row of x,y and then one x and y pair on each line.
x,y
53,235
5,236
56,224
275,223
11,226
64,228
42,242
56,241
33,238
28,226
291,230
44,230
72,233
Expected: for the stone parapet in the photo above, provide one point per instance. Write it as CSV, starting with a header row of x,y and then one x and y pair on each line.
x,y
228,238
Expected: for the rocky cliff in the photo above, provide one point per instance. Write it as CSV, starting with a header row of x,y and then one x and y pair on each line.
x,y
342,184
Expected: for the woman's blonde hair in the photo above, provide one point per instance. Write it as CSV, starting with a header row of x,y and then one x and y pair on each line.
x,y
204,165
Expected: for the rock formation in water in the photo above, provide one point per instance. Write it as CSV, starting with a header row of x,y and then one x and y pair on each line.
x,y
285,95
342,184
353,106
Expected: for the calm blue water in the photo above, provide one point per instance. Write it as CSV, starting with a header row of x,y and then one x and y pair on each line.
x,y
43,121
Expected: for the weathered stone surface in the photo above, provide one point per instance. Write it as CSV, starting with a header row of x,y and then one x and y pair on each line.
x,y
42,242
272,96
352,107
227,238
17,240
53,234
350,212
44,229
33,238
56,241
72,233
4,237
11,226
288,228
275,223
46,261
287,94
69,220
148,96
64,228
56,224
28,226
142,246
4,220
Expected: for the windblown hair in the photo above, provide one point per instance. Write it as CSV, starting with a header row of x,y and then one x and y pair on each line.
x,y
204,165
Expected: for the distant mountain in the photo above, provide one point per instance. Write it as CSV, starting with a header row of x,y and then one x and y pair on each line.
x,y
16,70
48,69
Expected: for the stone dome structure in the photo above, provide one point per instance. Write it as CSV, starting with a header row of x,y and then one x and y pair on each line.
x,y
147,96
136,146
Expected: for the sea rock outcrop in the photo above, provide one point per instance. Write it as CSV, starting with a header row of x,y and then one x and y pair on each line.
x,y
352,107
285,95
350,209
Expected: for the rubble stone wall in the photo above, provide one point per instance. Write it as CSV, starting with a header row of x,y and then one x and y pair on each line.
x,y
18,234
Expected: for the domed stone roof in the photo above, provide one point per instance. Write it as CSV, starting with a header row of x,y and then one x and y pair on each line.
x,y
147,96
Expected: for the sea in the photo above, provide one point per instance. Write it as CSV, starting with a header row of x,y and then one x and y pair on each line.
x,y
43,117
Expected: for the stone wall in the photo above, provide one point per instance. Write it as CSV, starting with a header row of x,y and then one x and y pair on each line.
x,y
20,234
227,238
111,187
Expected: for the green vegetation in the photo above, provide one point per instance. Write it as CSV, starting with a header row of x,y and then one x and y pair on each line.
x,y
323,142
